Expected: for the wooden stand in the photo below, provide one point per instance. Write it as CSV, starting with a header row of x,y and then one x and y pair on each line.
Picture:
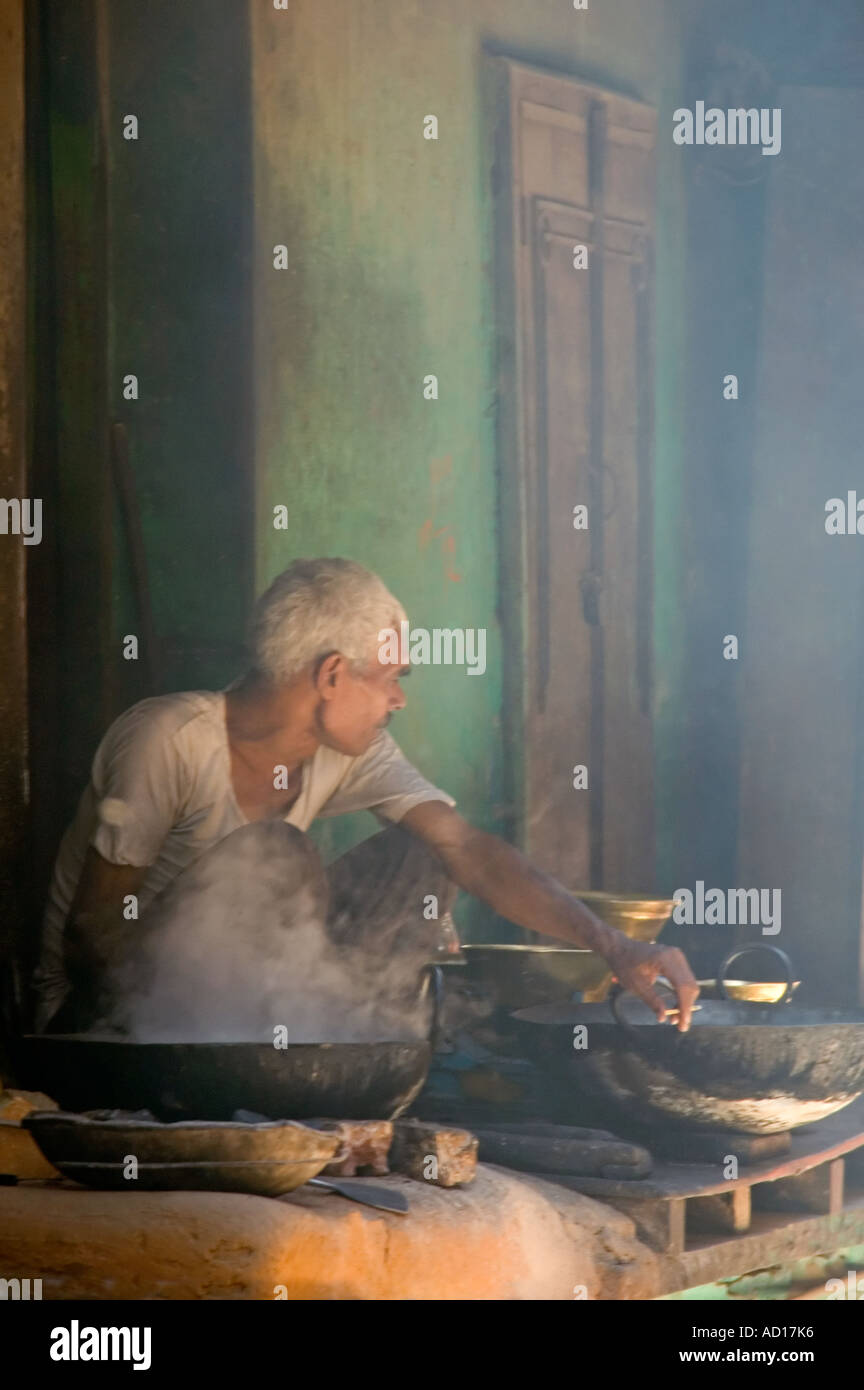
x,y
682,1203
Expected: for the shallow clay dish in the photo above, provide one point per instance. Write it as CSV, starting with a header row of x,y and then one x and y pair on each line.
x,y
270,1157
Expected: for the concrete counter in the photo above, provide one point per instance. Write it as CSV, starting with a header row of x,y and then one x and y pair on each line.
x,y
504,1237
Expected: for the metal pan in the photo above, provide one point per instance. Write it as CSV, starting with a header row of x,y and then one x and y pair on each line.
x,y
742,1067
749,991
753,991
513,977
516,976
209,1081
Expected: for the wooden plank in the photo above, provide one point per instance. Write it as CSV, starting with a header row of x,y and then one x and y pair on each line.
x,y
818,1190
660,1224
704,1146
627,820
829,1140
855,1168
721,1211
773,1239
558,816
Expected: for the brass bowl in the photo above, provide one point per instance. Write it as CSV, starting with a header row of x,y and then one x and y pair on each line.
x,y
753,991
517,976
638,917
513,975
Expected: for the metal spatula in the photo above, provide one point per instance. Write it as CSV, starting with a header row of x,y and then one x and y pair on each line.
x,y
368,1197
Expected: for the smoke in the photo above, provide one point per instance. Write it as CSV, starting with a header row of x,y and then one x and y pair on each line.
x,y
237,947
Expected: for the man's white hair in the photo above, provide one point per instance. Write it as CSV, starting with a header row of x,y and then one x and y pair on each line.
x,y
316,607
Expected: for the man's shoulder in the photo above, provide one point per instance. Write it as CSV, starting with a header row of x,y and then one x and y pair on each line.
x,y
382,749
382,780
166,716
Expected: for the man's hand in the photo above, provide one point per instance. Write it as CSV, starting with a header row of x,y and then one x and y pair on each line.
x,y
491,869
637,965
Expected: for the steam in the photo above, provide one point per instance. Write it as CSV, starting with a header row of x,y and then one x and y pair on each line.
x,y
237,947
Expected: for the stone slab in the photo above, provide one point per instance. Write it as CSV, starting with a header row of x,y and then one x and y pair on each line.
x,y
506,1237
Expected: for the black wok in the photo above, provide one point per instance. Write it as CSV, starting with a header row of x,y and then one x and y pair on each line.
x,y
209,1081
752,1068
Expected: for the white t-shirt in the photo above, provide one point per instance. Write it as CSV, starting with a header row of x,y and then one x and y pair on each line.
x,y
160,794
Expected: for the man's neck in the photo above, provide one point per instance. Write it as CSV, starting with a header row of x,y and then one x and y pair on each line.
x,y
271,722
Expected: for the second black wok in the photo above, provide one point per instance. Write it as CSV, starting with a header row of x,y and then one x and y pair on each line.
x,y
752,1068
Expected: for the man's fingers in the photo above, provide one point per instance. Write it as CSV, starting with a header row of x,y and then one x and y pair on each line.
x,y
668,967
649,996
674,972
687,996
686,989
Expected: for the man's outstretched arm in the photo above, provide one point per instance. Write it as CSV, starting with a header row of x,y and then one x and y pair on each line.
x,y
489,868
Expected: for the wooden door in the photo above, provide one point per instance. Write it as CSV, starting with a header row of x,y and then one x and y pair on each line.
x,y
580,166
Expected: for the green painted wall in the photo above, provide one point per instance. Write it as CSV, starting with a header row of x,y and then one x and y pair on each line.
x,y
391,247
303,127
180,318
140,264
140,255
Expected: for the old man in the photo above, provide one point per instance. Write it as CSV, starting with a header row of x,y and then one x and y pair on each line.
x,y
199,803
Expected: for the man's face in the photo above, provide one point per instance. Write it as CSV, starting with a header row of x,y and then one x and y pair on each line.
x,y
354,706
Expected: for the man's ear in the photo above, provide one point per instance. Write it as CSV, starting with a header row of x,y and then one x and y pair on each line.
x,y
330,669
